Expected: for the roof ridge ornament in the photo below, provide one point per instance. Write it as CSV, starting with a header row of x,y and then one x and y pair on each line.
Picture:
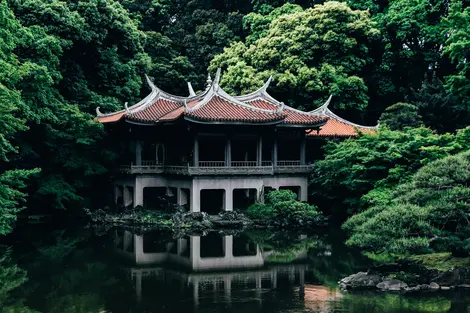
x,y
281,108
191,90
208,81
125,106
217,79
324,107
266,84
150,83
98,113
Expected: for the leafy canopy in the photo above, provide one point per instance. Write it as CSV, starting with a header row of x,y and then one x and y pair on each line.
x,y
427,214
362,171
311,54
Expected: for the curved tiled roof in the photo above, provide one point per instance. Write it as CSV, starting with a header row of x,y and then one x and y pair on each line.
x,y
337,128
214,105
222,110
155,111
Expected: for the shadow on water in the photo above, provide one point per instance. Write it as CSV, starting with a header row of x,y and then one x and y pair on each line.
x,y
76,270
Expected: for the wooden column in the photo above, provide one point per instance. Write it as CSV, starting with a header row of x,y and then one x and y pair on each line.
x,y
275,152
259,154
196,152
228,152
138,152
303,148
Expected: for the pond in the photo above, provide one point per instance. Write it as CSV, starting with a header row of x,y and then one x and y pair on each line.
x,y
116,270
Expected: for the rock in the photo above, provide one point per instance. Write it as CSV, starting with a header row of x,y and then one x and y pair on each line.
x,y
361,280
412,289
424,287
197,220
390,284
450,278
445,288
434,286
463,286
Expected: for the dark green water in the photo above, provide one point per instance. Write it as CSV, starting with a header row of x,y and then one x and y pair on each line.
x,y
82,270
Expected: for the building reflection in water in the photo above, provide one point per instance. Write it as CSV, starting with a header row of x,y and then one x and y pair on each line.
x,y
215,268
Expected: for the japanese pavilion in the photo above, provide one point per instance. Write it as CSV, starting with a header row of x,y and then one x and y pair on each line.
x,y
213,151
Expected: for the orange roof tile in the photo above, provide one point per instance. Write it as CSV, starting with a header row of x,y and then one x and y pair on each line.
x,y
302,118
220,109
153,112
110,118
337,128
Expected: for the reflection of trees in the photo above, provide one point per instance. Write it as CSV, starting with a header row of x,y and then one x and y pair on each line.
x,y
65,276
284,245
393,303
11,277
332,260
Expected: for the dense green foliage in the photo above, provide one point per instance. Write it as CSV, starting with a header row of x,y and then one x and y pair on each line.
x,y
401,115
283,209
60,59
310,53
430,213
362,171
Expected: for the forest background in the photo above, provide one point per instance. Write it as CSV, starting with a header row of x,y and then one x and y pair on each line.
x,y
59,60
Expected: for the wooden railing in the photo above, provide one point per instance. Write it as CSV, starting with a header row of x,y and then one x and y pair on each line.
x,y
288,163
211,163
244,163
219,168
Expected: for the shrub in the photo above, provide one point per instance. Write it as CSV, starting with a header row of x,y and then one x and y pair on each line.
x,y
282,209
428,214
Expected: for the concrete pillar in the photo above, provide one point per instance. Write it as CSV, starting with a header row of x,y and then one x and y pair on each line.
x,y
138,193
196,293
195,251
228,152
127,196
228,290
275,152
138,152
259,154
303,191
117,193
181,246
260,195
127,239
196,152
228,246
258,287
181,197
228,197
138,285
303,148
195,205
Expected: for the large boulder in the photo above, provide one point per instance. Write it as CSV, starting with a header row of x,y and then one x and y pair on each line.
x,y
361,280
390,284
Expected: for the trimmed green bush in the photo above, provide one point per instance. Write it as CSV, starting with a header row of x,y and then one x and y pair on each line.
x,y
282,209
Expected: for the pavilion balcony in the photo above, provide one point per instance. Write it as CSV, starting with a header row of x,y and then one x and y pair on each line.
x,y
220,168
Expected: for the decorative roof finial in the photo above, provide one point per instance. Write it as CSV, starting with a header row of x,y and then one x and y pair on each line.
x,y
217,77
125,106
323,108
209,81
191,90
98,113
150,83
